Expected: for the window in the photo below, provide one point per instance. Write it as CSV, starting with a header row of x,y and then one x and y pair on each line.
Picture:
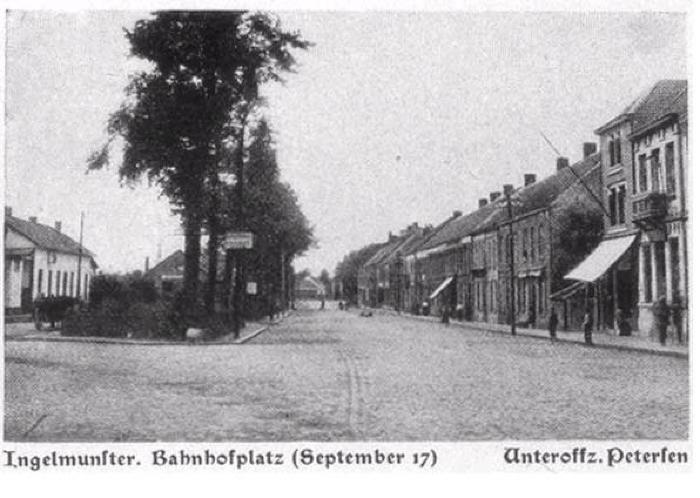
x,y
616,204
524,248
72,282
58,282
646,251
65,283
85,287
543,247
669,162
612,207
618,150
614,150
532,242
643,173
621,193
39,282
49,281
655,171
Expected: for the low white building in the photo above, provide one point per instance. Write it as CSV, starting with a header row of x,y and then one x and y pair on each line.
x,y
42,261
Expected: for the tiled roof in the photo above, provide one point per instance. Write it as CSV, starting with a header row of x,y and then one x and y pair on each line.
x,y
665,96
384,251
456,228
661,98
46,237
525,199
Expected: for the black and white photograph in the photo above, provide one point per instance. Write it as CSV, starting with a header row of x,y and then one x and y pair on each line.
x,y
347,226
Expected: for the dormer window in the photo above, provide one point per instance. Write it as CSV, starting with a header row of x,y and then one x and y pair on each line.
x,y
52,256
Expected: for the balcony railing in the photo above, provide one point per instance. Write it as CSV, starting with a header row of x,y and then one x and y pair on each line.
x,y
649,207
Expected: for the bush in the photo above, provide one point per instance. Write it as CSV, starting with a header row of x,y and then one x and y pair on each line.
x,y
157,320
126,290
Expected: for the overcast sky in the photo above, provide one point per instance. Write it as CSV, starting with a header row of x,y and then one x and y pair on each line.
x,y
391,117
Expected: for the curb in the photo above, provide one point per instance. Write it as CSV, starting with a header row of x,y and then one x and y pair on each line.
x,y
138,342
618,347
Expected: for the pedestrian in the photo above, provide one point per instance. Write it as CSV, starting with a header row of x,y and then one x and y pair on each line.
x,y
661,315
623,327
553,322
445,314
323,301
588,327
677,316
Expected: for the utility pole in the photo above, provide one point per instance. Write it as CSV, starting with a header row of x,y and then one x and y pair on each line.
x,y
80,252
511,252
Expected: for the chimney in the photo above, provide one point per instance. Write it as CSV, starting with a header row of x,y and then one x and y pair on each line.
x,y
494,195
8,210
456,213
507,189
483,202
32,219
530,178
589,148
562,162
57,226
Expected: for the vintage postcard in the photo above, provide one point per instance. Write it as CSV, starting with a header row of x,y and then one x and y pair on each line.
x,y
267,239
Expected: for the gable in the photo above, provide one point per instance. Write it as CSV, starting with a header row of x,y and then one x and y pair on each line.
x,y
15,240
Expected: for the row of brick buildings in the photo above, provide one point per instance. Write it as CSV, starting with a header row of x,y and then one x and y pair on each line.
x,y
606,233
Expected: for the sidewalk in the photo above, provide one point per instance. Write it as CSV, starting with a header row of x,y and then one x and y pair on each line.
x,y
26,332
600,339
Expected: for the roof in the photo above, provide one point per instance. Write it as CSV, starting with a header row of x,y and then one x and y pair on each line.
x,y
456,228
177,258
525,200
46,237
661,98
385,251
310,283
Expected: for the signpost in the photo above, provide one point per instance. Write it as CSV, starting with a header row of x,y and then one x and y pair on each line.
x,y
238,240
234,243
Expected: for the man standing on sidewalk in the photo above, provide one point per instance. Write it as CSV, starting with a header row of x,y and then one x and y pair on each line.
x,y
588,327
553,322
661,314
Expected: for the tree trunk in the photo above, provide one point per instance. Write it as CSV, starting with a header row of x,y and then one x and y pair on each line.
x,y
193,233
212,253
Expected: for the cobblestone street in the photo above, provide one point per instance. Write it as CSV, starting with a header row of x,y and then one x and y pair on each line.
x,y
333,375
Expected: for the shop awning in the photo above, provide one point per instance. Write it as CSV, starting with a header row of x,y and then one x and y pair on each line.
x,y
441,287
602,258
567,292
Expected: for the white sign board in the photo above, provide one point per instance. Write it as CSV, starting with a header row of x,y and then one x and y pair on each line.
x,y
238,240
252,288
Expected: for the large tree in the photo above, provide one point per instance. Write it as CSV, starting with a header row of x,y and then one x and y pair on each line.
x,y
269,208
206,67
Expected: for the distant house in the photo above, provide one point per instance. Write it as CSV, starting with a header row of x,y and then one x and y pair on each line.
x,y
168,274
43,261
309,288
